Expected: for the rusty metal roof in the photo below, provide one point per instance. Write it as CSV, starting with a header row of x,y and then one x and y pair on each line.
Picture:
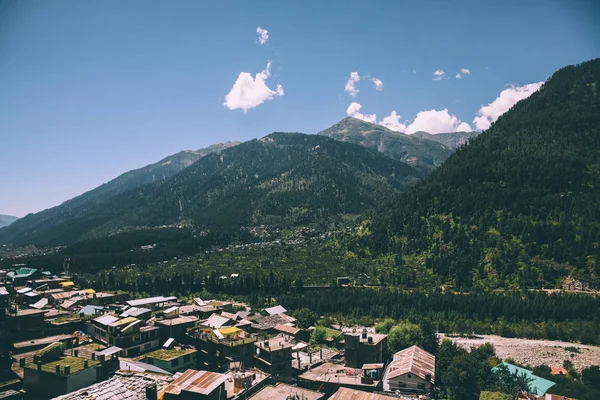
x,y
353,394
412,360
201,382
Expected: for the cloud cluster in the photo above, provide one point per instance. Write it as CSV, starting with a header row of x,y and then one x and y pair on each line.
x,y
353,110
249,92
377,83
432,121
507,98
438,75
263,35
464,71
351,88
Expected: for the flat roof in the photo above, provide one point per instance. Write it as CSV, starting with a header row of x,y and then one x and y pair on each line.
x,y
170,354
337,374
282,391
77,365
42,341
276,343
353,394
109,351
183,319
28,312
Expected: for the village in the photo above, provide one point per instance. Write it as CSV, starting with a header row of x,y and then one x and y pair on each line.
x,y
62,341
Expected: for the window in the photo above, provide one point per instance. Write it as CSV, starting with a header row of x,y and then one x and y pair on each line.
x,y
147,345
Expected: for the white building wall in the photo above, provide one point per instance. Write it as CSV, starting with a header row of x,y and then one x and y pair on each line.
x,y
404,382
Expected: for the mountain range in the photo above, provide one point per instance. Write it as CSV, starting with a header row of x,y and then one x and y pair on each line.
x,y
6,220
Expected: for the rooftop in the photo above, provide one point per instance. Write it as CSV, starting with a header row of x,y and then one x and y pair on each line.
x,y
28,313
375,337
287,329
276,343
77,365
353,394
414,360
539,386
170,354
201,382
336,374
257,376
106,319
275,310
181,320
150,301
124,385
281,391
42,341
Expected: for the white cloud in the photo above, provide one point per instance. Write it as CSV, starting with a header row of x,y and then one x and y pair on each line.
x,y
263,35
377,83
392,122
438,75
507,98
351,84
353,110
434,121
457,76
465,71
248,92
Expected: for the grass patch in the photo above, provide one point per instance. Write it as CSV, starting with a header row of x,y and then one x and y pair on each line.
x,y
169,354
77,365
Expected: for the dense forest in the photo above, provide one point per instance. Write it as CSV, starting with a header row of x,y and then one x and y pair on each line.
x,y
520,205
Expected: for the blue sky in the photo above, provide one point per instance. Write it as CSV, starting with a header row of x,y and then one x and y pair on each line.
x,y
89,90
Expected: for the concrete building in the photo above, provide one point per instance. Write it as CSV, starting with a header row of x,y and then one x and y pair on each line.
x,y
196,385
328,377
175,326
412,369
365,348
220,347
128,333
281,391
25,324
60,376
176,359
274,355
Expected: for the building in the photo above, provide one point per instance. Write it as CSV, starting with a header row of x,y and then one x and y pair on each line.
x,y
241,384
412,369
175,327
130,334
25,323
22,274
152,303
52,376
124,385
328,377
274,355
137,312
296,333
196,385
352,394
275,310
282,391
173,360
262,324
365,348
539,386
220,347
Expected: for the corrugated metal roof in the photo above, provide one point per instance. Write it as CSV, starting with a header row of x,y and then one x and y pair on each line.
x,y
135,312
106,319
150,300
414,360
201,382
40,303
275,310
109,351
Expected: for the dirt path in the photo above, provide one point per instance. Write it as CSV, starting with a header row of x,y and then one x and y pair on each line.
x,y
535,352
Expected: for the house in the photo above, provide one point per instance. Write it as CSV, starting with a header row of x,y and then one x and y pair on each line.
x,y
196,385
266,324
328,377
365,348
153,303
128,333
217,321
282,391
275,310
274,355
174,359
352,394
539,386
137,312
196,310
52,374
242,383
175,327
25,323
221,305
412,369
296,333
220,347
130,385
131,364
22,274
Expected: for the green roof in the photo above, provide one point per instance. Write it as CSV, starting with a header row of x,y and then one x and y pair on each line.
x,y
22,273
170,354
539,386
76,364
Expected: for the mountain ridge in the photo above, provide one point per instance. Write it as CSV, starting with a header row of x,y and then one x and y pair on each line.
x,y
6,220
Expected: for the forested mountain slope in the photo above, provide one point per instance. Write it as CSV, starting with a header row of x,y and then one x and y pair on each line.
x,y
452,140
282,180
519,206
36,225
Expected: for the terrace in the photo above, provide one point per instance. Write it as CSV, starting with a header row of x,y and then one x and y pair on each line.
x,y
75,364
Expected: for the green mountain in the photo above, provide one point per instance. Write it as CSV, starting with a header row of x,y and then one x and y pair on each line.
x,y
519,206
35,225
283,180
6,220
452,140
410,149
